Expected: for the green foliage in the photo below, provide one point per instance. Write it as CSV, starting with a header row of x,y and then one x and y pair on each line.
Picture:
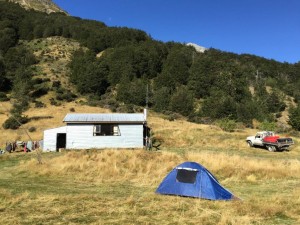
x,y
182,101
21,87
294,117
14,122
227,124
3,97
16,58
133,92
32,129
8,38
2,74
125,60
219,105
265,125
202,76
161,99
39,104
175,70
88,74
39,92
65,95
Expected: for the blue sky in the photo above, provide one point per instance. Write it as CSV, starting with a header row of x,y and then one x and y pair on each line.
x,y
267,28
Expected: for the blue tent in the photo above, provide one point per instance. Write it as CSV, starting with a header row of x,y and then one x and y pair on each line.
x,y
193,180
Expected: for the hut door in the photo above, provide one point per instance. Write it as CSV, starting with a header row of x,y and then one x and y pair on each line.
x,y
61,140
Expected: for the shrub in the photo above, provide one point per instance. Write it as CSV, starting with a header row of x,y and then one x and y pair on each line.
x,y
39,104
72,109
53,102
294,118
267,126
39,92
171,116
32,129
227,124
37,81
66,96
56,84
126,108
3,97
14,122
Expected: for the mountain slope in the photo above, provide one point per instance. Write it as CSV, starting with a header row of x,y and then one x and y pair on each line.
x,y
40,5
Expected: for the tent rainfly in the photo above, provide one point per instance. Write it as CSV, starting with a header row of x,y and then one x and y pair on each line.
x,y
193,180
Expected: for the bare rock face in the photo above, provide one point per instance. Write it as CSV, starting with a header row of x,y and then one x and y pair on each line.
x,y
197,47
46,6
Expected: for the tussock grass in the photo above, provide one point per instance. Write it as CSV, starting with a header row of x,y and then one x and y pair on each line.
x,y
117,187
149,168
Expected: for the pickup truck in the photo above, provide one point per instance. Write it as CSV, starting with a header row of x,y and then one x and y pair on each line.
x,y
270,141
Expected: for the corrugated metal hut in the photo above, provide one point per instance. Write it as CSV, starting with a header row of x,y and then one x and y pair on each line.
x,y
89,130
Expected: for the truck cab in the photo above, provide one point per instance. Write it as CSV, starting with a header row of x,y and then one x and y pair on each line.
x,y
257,140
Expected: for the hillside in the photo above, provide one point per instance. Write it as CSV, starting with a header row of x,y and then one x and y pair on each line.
x,y
54,59
46,6
53,55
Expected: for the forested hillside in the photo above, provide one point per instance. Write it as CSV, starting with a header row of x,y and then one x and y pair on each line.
x,y
123,69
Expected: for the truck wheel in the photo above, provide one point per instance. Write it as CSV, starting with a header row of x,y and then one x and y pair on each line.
x,y
249,143
271,148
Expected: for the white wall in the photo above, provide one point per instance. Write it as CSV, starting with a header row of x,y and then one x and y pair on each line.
x,y
80,136
50,137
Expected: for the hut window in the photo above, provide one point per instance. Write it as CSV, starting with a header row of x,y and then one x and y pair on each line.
x,y
106,130
186,176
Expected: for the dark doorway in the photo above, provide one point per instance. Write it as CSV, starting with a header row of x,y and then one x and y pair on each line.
x,y
146,134
61,141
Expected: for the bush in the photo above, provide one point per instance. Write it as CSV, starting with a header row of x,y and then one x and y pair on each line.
x,y
227,124
66,96
271,126
39,104
14,122
171,116
294,118
39,92
39,80
56,84
32,129
3,97
53,102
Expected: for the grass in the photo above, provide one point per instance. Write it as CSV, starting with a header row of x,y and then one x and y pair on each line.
x,y
118,186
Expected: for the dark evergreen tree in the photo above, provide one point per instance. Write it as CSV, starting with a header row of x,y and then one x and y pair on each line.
x,y
175,70
88,74
8,38
132,92
182,101
161,99
294,117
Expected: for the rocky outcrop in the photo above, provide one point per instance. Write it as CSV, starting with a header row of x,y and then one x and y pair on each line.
x,y
40,5
197,47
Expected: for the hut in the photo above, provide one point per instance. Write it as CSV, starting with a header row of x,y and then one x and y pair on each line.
x,y
98,131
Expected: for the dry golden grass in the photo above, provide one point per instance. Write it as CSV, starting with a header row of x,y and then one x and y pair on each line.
x,y
123,165
53,55
58,114
118,186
